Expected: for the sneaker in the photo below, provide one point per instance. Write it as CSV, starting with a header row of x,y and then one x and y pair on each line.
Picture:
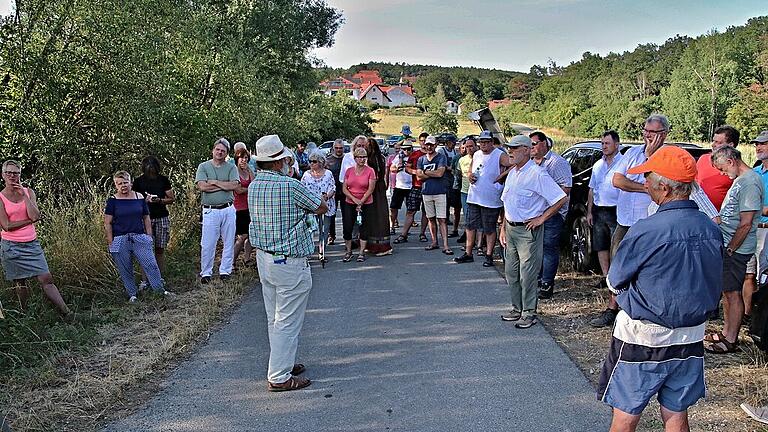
x,y
513,315
225,277
133,300
546,290
606,318
465,258
205,280
757,413
527,321
463,238
169,295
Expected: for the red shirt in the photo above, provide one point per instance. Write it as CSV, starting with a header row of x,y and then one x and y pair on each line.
x,y
358,183
413,161
715,185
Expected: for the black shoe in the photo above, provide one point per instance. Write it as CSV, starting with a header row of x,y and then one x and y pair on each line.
x,y
606,319
449,222
488,261
205,280
464,259
463,238
453,234
225,277
546,290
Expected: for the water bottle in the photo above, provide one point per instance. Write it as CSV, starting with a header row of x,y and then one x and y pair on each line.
x,y
359,219
478,170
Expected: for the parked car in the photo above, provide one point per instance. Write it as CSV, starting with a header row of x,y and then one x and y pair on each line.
x,y
325,147
582,156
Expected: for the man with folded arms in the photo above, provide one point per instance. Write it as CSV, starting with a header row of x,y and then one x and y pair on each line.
x,y
666,274
279,206
530,197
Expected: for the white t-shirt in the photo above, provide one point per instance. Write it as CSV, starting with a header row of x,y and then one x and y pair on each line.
x,y
346,163
403,180
603,192
631,206
485,191
529,192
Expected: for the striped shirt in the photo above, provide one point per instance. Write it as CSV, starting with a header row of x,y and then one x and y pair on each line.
x,y
560,171
278,206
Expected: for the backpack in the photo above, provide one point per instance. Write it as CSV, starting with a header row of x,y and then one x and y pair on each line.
x,y
758,329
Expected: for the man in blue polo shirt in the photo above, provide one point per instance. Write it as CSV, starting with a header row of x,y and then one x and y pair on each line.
x,y
667,275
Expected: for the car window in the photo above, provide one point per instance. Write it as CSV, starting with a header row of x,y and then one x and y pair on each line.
x,y
583,160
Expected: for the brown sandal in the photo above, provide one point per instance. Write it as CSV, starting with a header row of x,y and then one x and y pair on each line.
x,y
293,383
722,347
714,337
298,369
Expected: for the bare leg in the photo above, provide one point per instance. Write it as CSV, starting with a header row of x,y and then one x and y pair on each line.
x,y
675,421
604,257
239,243
443,232
456,219
22,293
424,223
363,244
623,422
348,245
248,248
433,230
160,258
470,244
490,242
50,290
749,288
733,312
407,223
612,303
392,216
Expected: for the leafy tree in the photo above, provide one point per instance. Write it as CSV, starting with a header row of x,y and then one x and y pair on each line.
x,y
436,119
470,103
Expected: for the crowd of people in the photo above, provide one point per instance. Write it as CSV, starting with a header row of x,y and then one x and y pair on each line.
x,y
673,236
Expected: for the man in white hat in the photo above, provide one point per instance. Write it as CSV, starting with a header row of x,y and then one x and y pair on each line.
x,y
530,198
278,206
216,179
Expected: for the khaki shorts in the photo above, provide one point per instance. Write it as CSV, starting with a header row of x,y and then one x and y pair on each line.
x,y
434,205
752,264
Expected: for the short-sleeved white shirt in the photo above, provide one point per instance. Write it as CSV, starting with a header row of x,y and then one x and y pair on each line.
x,y
604,194
403,180
631,206
529,192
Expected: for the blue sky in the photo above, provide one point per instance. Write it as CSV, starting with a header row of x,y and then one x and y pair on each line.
x,y
517,34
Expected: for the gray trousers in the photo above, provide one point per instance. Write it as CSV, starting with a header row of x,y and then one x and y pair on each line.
x,y
524,254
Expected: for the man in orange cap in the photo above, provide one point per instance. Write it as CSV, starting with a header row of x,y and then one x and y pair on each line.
x,y
666,274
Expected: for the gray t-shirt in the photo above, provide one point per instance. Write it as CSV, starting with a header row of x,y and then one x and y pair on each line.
x,y
226,172
746,194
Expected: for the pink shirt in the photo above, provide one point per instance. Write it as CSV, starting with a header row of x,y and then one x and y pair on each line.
x,y
18,212
358,184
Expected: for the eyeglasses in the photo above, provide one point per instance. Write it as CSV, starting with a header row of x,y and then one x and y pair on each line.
x,y
361,157
314,161
648,131
12,173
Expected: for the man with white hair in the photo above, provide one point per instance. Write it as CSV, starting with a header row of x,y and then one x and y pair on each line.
x,y
278,206
666,274
216,179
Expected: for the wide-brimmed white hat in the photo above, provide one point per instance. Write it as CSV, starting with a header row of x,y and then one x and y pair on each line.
x,y
269,148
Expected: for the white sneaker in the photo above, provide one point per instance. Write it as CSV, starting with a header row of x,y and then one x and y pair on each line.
x,y
133,299
758,413
169,295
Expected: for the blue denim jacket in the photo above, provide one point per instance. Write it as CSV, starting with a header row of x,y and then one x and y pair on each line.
x,y
669,267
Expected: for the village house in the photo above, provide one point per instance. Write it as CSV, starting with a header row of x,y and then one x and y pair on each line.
x,y
367,85
451,107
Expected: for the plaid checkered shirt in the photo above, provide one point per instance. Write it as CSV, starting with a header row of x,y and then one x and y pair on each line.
x,y
278,205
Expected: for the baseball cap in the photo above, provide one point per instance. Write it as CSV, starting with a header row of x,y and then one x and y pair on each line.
x,y
430,140
762,137
519,141
485,135
671,162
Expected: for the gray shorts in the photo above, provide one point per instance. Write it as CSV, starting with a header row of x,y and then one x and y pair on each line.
x,y
482,218
603,226
734,271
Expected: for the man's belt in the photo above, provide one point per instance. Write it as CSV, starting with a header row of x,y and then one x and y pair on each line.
x,y
217,207
516,223
762,225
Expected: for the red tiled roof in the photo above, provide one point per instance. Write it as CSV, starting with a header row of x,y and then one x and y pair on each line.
x,y
370,86
368,76
498,102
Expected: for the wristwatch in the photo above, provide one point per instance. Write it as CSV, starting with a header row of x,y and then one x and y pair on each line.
x,y
729,251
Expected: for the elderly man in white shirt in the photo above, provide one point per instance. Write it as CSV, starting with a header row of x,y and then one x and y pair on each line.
x,y
530,197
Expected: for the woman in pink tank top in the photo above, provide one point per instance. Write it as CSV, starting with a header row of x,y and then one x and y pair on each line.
x,y
242,213
20,252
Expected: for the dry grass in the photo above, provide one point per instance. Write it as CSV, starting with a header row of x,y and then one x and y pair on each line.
x,y
79,392
390,122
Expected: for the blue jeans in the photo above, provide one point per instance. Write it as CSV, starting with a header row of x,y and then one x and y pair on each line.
x,y
464,205
552,229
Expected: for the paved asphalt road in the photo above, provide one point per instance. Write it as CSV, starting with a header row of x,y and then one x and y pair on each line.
x,y
409,342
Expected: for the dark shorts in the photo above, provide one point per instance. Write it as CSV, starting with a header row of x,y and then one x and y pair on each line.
x,y
454,198
398,196
603,226
734,271
413,200
161,231
242,221
618,236
482,218
632,374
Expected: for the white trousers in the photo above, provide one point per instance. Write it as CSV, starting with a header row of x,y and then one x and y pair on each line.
x,y
285,287
217,223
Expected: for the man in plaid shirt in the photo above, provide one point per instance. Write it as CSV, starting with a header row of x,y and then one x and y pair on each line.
x,y
278,206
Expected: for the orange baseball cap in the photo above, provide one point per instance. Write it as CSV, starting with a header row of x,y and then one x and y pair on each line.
x,y
671,162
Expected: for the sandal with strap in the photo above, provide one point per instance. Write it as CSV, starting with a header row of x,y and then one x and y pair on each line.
x,y
298,369
293,383
423,238
714,337
431,247
400,239
722,347
447,251
347,257
361,257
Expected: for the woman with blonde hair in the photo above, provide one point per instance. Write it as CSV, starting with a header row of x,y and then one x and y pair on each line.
x,y
359,183
129,234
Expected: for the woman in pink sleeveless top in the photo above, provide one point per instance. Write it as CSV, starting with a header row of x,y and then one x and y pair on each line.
x,y
20,252
242,215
